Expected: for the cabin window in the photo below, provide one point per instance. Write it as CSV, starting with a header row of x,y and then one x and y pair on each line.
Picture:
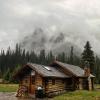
x,y
33,80
53,82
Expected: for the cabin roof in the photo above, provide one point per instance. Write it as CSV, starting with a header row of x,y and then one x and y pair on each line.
x,y
47,71
76,70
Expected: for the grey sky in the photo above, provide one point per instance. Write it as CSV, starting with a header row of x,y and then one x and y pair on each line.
x,y
79,20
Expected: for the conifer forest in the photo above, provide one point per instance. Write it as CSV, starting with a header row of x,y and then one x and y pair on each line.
x,y
12,60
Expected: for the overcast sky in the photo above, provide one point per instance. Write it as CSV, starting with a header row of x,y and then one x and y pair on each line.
x,y
79,20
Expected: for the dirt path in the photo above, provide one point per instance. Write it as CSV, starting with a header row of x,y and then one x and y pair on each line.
x,y
11,96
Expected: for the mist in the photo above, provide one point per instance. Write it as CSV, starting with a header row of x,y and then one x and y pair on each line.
x,y
50,24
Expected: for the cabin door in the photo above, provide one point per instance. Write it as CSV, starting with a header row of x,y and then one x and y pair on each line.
x,y
32,84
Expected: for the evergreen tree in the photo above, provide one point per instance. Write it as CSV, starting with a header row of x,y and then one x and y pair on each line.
x,y
49,57
88,55
61,57
71,58
97,69
7,75
42,57
27,56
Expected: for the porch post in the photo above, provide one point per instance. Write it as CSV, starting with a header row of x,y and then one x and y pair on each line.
x,y
89,83
92,83
80,84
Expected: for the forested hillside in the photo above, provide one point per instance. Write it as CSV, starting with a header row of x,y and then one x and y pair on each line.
x,y
12,60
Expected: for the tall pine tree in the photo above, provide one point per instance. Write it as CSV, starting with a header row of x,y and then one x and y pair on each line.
x,y
71,57
88,55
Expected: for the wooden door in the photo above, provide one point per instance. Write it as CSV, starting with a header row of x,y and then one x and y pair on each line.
x,y
32,84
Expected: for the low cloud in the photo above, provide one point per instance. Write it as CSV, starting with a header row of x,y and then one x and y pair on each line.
x,y
78,20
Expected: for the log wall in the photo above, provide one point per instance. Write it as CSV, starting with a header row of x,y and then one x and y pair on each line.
x,y
59,85
38,80
32,86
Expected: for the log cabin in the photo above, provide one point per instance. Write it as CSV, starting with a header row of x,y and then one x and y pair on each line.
x,y
55,79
